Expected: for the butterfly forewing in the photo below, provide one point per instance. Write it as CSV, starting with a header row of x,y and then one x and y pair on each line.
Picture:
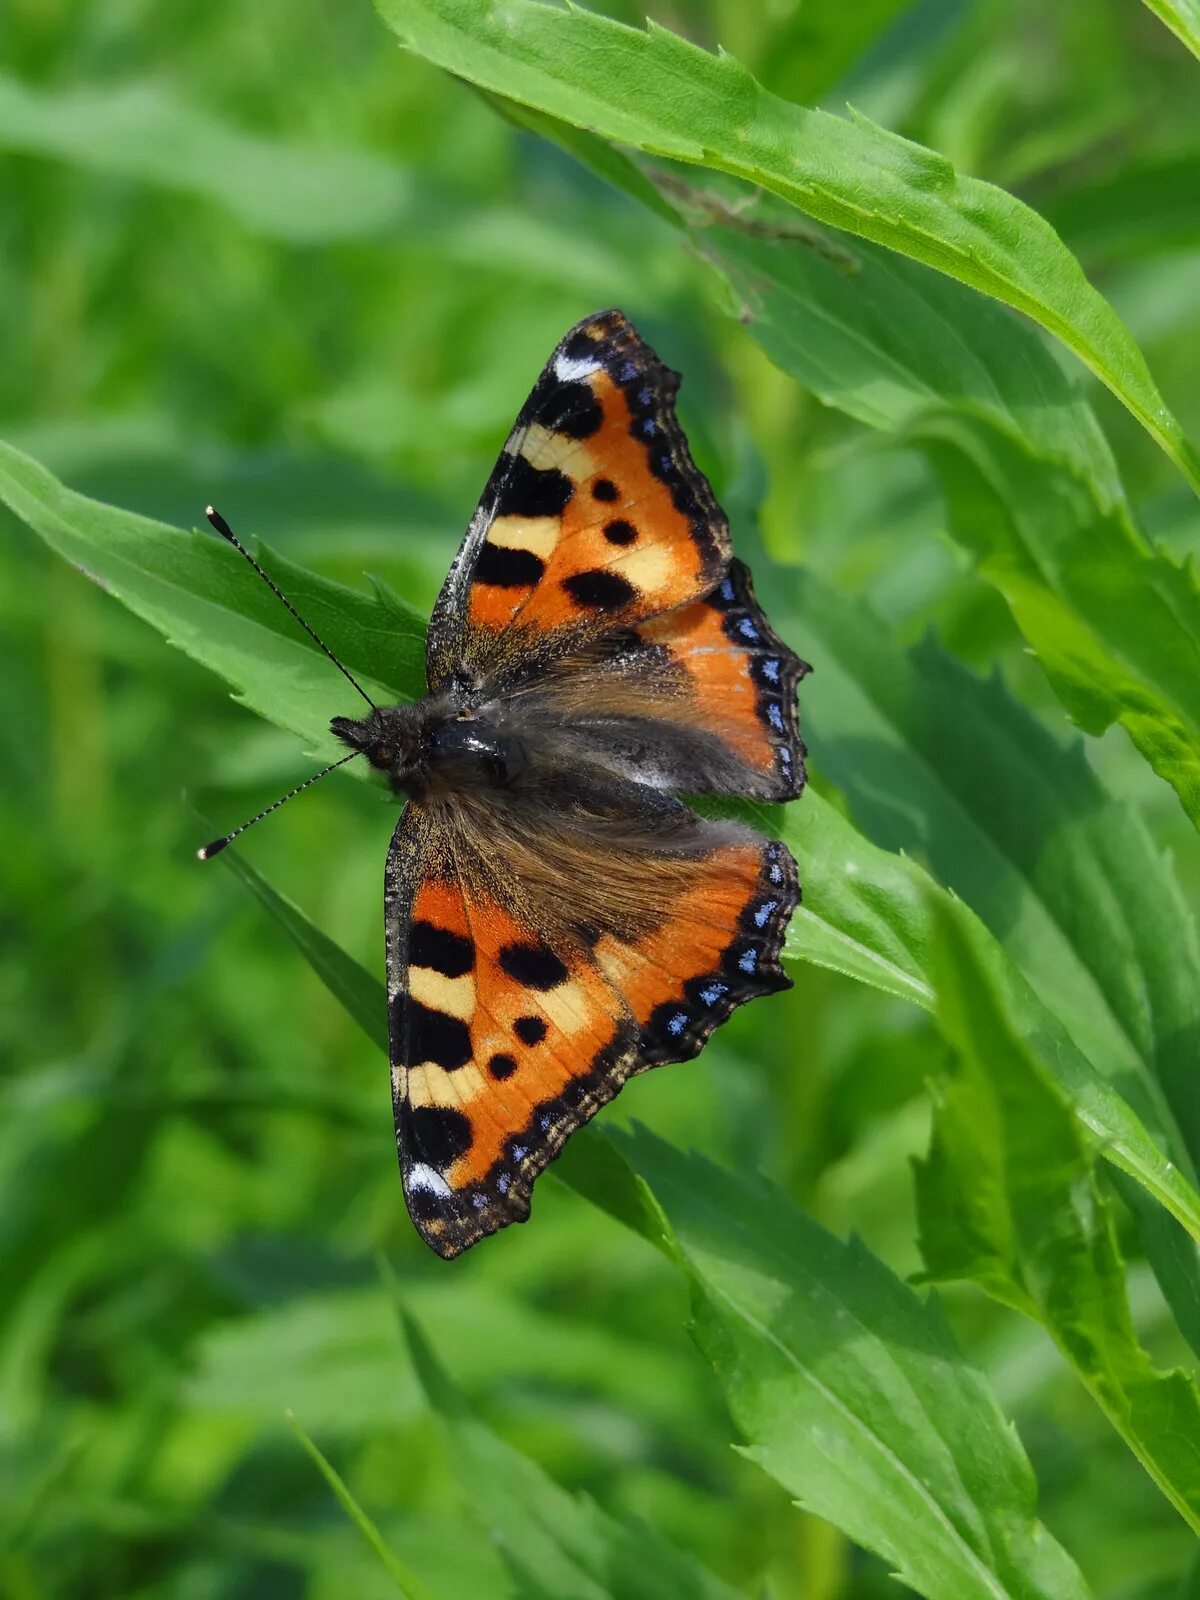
x,y
595,516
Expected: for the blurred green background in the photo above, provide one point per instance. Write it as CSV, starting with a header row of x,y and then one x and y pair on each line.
x,y
258,256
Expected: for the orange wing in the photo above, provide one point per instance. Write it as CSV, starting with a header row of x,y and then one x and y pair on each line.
x,y
507,1036
595,516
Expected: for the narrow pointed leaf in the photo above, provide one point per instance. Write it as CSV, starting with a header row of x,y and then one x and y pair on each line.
x,y
1183,19
406,1583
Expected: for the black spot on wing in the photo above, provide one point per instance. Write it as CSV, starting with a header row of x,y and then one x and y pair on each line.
x,y
502,1066
432,1035
620,532
506,568
533,966
448,953
604,489
569,408
533,491
599,589
435,1135
530,1030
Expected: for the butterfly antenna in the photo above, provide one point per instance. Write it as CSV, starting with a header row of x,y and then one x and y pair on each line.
x,y
226,532
208,851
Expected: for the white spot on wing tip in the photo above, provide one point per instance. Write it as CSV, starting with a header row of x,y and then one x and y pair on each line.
x,y
567,370
422,1177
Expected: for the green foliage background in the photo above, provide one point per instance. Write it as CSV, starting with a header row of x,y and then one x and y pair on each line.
x,y
259,255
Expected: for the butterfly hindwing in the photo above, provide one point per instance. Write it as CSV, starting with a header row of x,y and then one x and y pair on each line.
x,y
502,1043
510,1027
595,516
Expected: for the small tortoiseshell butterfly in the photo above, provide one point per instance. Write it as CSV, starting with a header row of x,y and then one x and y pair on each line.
x,y
556,919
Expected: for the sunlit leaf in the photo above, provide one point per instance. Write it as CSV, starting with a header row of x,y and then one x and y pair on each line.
x,y
1183,19
608,78
203,598
847,1387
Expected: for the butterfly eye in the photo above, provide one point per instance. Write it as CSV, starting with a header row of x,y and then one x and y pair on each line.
x,y
381,756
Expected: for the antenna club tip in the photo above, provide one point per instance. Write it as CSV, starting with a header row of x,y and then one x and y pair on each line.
x,y
207,851
219,523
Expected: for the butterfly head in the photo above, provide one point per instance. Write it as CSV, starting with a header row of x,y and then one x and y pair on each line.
x,y
393,738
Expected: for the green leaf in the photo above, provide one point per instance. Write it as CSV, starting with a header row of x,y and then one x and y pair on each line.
x,y
1010,1198
141,130
406,1583
940,763
361,996
849,1389
1114,622
204,599
663,96
555,1544
1183,19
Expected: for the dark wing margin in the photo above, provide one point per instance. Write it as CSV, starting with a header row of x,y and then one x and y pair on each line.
x,y
594,517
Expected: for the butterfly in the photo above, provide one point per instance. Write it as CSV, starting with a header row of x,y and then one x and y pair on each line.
x,y
557,919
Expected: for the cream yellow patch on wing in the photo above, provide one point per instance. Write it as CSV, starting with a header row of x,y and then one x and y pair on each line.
x,y
544,449
566,1007
616,961
536,534
649,570
455,996
430,1085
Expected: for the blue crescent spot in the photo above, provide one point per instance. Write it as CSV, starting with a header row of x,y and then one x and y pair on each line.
x,y
726,590
643,396
775,872
479,1201
775,716
712,993
748,961
502,1182
747,629
627,373
764,911
519,1152
677,1023
785,759
770,670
